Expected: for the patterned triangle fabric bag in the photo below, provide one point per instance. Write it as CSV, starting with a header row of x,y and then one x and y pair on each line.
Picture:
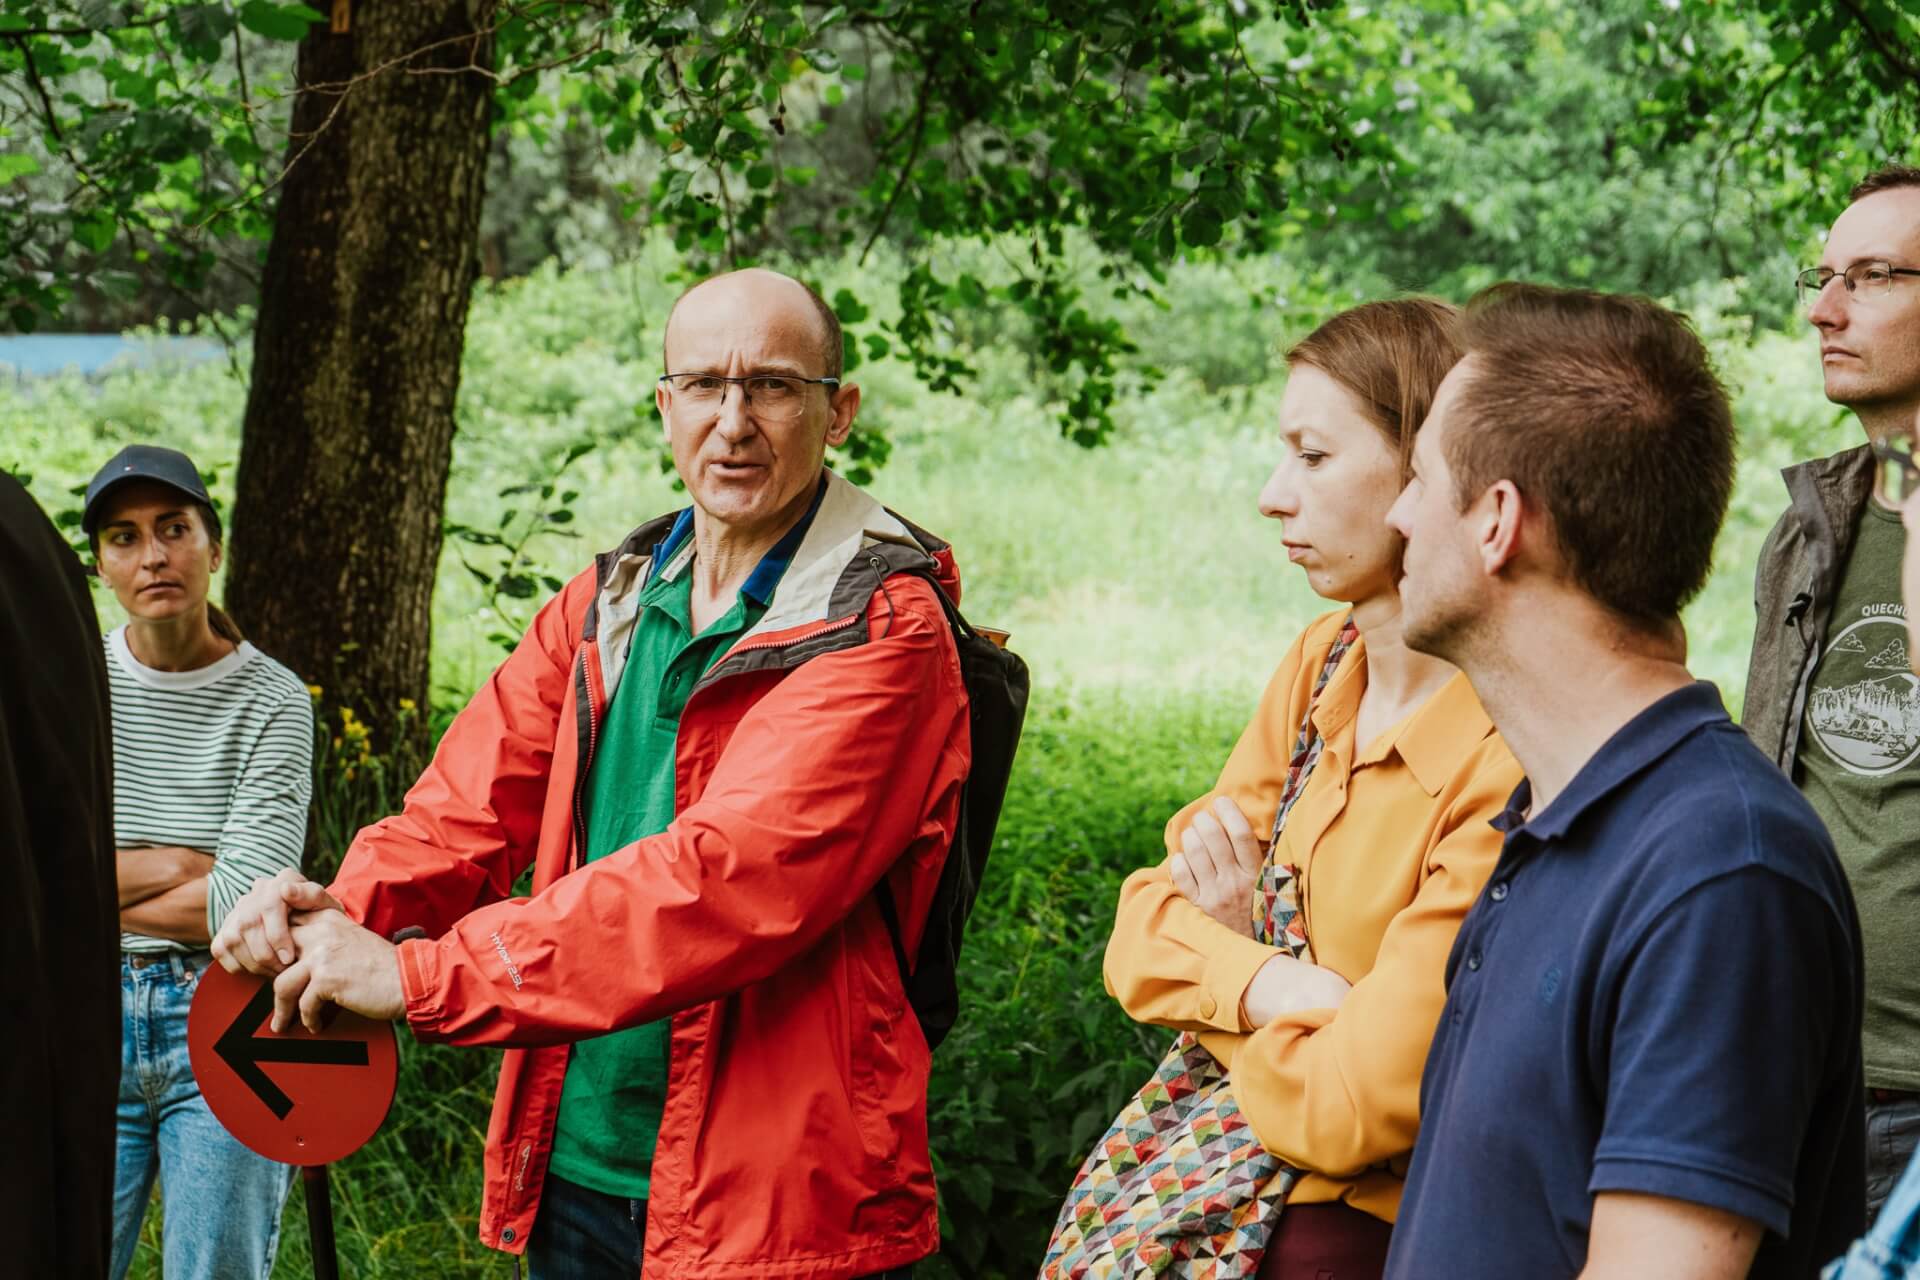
x,y
1178,1186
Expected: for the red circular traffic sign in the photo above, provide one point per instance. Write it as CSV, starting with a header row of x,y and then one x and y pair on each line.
x,y
298,1097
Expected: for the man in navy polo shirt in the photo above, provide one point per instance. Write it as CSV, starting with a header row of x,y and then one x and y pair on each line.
x,y
1649,1060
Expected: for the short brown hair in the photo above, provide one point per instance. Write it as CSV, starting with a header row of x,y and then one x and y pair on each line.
x,y
1392,356
1885,178
1605,410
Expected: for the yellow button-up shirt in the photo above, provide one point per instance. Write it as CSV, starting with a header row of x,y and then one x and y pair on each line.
x,y
1393,844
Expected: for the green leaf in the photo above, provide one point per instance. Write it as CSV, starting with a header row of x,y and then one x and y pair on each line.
x,y
200,28
95,230
17,166
676,189
99,14
242,149
848,308
1201,227
278,21
681,22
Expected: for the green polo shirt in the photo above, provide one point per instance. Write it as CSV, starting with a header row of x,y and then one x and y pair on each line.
x,y
616,1084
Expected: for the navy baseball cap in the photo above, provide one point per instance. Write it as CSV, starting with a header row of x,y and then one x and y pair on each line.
x,y
142,462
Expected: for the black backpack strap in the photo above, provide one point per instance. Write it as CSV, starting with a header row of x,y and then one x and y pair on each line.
x,y
884,891
891,914
996,685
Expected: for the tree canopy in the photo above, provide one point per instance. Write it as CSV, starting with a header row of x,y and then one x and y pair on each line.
x,y
198,161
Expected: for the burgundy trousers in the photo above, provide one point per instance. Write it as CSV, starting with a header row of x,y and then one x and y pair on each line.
x,y
1326,1242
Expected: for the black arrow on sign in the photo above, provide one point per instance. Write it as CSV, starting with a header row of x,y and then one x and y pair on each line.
x,y
243,1050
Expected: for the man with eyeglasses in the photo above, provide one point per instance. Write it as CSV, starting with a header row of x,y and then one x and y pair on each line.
x,y
731,753
1831,691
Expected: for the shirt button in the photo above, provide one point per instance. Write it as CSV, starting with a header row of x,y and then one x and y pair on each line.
x,y
506,1237
1207,1006
1473,960
1499,891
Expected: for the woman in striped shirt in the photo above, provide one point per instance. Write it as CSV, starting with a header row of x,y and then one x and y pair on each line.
x,y
213,756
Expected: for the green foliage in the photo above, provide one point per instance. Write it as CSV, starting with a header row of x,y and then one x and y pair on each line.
x,y
1799,97
136,143
513,582
1545,172
1407,144
1148,126
1102,564
1042,1059
352,785
1138,580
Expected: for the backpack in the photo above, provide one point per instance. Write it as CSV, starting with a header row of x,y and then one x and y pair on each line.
x,y
997,686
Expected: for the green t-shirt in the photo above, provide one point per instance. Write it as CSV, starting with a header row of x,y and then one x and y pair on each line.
x,y
1859,764
616,1084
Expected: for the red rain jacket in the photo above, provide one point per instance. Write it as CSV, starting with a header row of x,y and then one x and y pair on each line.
x,y
824,752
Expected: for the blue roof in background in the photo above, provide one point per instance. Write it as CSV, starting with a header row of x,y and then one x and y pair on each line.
x,y
41,355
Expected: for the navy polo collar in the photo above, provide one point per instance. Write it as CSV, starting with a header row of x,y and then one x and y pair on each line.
x,y
766,575
1637,745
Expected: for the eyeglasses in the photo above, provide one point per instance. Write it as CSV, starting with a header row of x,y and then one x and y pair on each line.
x,y
771,397
1895,474
1866,280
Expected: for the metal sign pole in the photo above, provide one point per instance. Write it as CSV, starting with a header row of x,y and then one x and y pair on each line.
x,y
326,1266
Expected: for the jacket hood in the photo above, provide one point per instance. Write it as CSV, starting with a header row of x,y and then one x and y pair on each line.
x,y
851,546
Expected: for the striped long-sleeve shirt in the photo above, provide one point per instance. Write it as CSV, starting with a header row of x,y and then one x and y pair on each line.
x,y
219,759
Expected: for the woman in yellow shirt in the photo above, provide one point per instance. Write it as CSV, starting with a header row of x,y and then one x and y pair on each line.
x,y
1389,838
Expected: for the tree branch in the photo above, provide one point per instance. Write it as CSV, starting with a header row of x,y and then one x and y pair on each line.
x,y
906,170
1894,57
84,31
1754,116
39,88
246,96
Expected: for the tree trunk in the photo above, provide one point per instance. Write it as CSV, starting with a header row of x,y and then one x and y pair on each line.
x,y
356,361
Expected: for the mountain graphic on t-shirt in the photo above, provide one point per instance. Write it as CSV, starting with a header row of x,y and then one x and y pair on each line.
x,y
1852,644
1891,658
1880,717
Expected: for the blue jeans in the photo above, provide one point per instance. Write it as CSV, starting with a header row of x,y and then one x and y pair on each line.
x,y
582,1234
222,1201
1893,1134
1891,1250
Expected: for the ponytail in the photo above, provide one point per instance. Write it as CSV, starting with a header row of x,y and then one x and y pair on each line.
x,y
223,626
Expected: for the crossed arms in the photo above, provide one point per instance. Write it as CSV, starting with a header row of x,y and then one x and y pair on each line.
x,y
163,892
